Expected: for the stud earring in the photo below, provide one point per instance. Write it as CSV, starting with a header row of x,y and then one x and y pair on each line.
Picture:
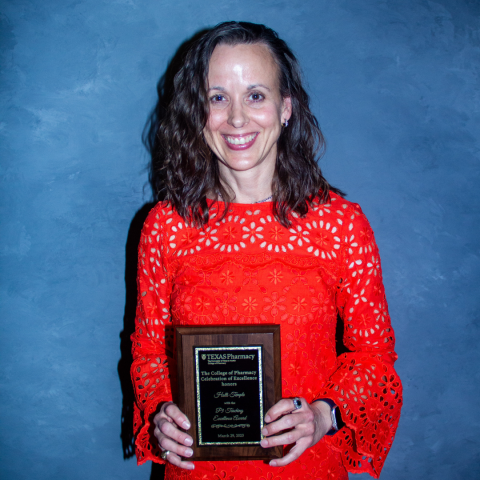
x,y
285,124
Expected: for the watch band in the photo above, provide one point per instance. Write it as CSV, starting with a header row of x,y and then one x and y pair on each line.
x,y
337,422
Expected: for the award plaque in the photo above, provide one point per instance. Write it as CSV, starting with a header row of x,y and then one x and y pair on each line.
x,y
228,378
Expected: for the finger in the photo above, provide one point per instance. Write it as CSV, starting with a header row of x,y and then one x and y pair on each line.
x,y
291,436
173,412
292,455
174,459
289,421
166,443
171,431
282,407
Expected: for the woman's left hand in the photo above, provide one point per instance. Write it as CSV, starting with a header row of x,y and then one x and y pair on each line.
x,y
304,426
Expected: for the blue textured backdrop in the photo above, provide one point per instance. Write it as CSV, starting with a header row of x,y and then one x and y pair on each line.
x,y
395,85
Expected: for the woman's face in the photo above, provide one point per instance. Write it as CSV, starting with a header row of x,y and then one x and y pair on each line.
x,y
246,108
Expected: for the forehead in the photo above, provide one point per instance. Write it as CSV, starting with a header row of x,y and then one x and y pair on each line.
x,y
252,63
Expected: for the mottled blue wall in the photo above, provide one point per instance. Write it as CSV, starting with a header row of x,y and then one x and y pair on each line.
x,y
395,85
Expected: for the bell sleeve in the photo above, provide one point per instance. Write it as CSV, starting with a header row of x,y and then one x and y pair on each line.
x,y
364,385
151,349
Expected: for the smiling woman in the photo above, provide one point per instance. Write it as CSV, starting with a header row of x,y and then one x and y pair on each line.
x,y
245,119
265,67
238,132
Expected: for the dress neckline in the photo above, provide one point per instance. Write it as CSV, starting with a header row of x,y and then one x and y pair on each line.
x,y
254,206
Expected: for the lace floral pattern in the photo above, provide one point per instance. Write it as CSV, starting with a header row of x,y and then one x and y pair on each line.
x,y
247,268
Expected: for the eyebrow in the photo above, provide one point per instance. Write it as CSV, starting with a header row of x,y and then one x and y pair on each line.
x,y
250,87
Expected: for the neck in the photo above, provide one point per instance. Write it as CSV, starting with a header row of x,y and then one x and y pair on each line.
x,y
252,186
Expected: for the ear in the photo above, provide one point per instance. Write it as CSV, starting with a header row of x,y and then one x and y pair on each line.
x,y
286,109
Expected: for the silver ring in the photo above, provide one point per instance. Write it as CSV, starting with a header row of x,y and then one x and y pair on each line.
x,y
164,454
297,403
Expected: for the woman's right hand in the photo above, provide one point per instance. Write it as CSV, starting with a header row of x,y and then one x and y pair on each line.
x,y
171,438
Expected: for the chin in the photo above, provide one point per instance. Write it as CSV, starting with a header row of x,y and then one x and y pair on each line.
x,y
242,165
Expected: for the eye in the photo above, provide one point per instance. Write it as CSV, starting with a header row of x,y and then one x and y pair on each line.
x,y
256,97
217,98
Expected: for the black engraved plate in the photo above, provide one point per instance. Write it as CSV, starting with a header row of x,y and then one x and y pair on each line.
x,y
229,395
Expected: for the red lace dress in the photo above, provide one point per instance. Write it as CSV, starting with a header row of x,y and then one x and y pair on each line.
x,y
247,268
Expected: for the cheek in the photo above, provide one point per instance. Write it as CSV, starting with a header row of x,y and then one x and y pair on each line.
x,y
209,131
215,120
212,134
269,117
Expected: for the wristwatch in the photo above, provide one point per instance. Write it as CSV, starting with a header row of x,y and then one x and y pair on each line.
x,y
337,422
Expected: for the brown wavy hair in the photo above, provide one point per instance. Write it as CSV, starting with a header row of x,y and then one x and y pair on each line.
x,y
188,168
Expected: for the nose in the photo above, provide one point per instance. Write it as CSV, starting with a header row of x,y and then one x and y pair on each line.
x,y
238,116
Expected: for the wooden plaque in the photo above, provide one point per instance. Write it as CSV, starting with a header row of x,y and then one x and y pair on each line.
x,y
228,378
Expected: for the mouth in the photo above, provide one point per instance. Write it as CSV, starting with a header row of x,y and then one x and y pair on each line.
x,y
240,142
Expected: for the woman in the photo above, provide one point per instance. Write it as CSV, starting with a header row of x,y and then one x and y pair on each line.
x,y
251,232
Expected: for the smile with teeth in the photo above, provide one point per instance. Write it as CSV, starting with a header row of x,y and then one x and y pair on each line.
x,y
240,140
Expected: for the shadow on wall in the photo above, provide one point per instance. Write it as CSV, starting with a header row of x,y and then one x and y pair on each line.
x,y
125,362
149,139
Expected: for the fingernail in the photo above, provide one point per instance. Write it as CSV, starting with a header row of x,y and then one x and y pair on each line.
x,y
188,441
273,463
267,418
188,452
264,431
264,443
186,425
190,466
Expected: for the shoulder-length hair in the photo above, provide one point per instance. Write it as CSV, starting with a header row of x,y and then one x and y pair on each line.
x,y
189,169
